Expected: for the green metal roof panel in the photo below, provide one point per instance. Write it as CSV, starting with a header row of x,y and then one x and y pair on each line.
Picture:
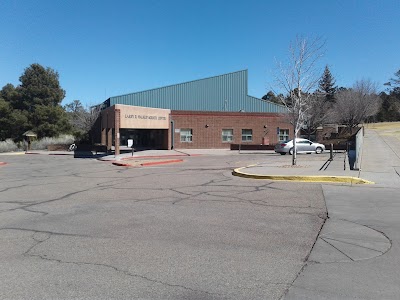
x,y
226,92
261,105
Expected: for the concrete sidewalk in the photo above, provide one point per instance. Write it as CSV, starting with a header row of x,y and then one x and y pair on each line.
x,y
309,168
357,253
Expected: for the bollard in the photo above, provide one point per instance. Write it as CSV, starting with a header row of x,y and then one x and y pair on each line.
x,y
331,153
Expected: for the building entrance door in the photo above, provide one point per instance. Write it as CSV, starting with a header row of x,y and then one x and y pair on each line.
x,y
144,139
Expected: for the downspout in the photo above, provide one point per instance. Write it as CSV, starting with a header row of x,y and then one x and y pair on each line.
x,y
172,134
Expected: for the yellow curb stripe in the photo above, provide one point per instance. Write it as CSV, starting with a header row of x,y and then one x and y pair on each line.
x,y
334,179
13,153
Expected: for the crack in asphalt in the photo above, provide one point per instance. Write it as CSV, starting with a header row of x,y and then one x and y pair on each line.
x,y
44,231
280,206
326,217
31,185
43,213
123,272
18,202
228,189
80,263
118,184
234,196
45,202
13,187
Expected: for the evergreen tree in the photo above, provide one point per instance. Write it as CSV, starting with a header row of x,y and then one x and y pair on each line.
x,y
395,83
5,124
327,86
396,80
390,108
33,105
41,96
270,96
40,86
10,94
13,122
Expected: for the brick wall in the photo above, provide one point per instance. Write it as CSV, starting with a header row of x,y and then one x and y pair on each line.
x,y
207,128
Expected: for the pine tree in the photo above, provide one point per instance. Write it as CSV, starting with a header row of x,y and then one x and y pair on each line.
x,y
395,83
327,85
33,105
270,96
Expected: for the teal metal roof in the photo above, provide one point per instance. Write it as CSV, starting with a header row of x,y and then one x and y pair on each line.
x,y
227,92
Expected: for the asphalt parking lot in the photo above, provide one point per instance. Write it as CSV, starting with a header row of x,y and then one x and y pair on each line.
x,y
82,228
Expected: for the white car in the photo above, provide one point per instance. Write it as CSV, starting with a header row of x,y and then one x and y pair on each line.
x,y
302,145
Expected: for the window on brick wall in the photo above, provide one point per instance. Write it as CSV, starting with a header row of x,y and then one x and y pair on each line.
x,y
227,135
247,135
186,135
283,135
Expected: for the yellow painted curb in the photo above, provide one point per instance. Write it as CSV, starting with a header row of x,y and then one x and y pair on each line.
x,y
334,179
13,153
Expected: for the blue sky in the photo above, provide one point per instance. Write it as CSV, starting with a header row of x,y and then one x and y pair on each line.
x,y
107,48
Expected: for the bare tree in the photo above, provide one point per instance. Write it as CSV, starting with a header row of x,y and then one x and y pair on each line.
x,y
318,114
82,119
298,78
355,105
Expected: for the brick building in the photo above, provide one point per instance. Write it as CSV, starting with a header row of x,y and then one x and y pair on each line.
x,y
213,112
221,129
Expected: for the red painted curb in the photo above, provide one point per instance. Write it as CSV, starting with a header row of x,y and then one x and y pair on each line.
x,y
156,156
161,162
148,163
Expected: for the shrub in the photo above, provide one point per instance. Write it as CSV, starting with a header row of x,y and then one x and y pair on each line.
x,y
8,146
44,142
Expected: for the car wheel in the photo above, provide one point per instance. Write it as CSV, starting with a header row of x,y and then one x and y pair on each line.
x,y
318,150
283,153
291,151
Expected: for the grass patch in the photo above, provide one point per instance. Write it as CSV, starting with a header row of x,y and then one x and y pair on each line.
x,y
383,125
386,128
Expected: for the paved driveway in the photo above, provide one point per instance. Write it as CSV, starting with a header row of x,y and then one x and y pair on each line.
x,y
81,228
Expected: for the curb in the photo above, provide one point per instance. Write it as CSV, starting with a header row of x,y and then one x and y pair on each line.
x,y
37,153
333,179
12,153
123,164
157,156
120,164
162,162
143,157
